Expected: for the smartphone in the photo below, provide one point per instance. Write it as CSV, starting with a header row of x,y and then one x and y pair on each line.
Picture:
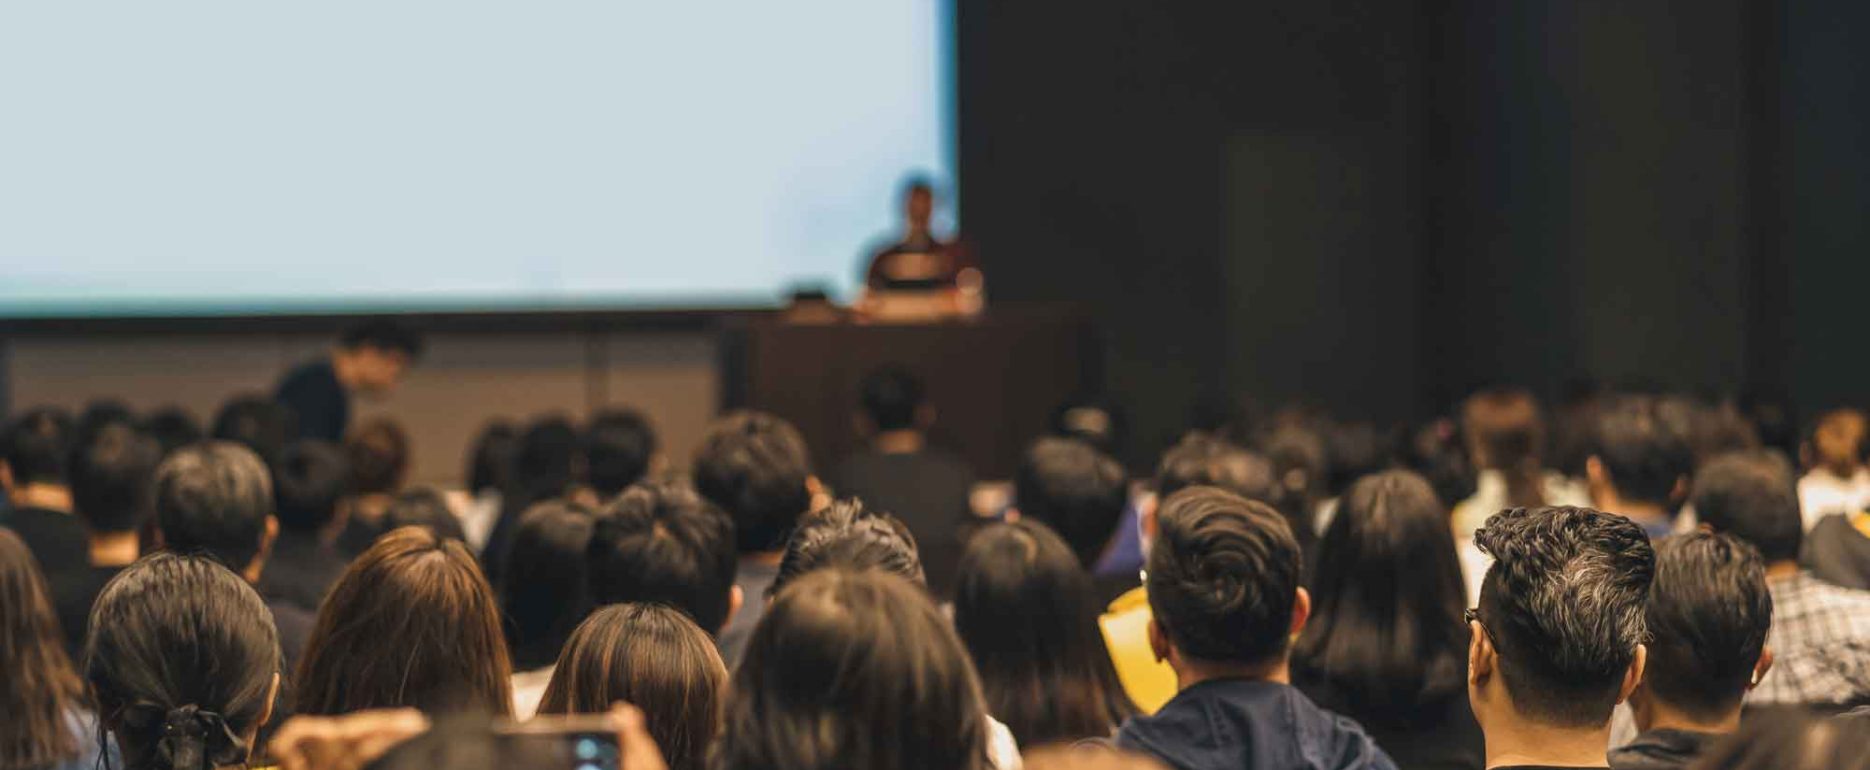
x,y
570,742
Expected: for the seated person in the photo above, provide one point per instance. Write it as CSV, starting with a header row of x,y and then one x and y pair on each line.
x,y
619,450
1708,615
663,543
1224,586
899,472
1557,641
1835,480
1079,492
1640,465
113,470
651,655
308,487
34,452
378,455
847,534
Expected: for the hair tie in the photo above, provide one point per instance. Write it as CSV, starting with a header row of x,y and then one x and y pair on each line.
x,y
193,737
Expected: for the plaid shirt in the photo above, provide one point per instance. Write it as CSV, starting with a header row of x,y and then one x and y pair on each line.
x,y
1821,644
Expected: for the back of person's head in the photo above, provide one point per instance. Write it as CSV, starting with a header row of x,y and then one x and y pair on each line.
x,y
113,471
1223,577
38,687
378,451
423,507
411,622
756,468
1095,419
1562,606
1076,490
256,422
37,446
663,543
618,447
655,657
99,413
1385,628
854,669
547,462
172,427
846,534
892,398
1707,618
1354,450
1505,432
543,589
1435,451
214,498
1206,460
1297,451
1644,454
491,461
1024,608
183,663
1791,740
385,335
1752,496
1835,441
309,482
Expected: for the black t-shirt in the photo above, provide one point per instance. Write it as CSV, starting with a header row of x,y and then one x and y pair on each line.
x,y
301,570
73,593
56,538
314,394
295,627
928,490
1838,553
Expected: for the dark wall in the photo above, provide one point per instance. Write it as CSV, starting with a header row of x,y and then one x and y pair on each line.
x,y
1378,206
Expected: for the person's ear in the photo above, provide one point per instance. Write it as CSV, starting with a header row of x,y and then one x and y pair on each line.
x,y
1158,640
1761,666
1301,611
1633,676
735,598
266,712
821,499
1595,473
1480,655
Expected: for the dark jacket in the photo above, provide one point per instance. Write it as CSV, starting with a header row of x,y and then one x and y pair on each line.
x,y
1238,724
1661,750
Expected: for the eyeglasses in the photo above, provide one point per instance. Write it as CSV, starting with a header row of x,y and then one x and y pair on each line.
x,y
1472,615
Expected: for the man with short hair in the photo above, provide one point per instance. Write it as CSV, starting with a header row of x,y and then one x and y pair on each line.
x,y
216,498
755,467
1224,587
112,472
663,543
1639,465
370,358
1821,632
1707,618
309,484
1557,641
619,450
34,452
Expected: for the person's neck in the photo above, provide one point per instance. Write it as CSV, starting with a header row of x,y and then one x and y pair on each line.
x,y
1189,673
764,558
918,233
900,442
1781,570
1514,741
1661,716
114,549
52,497
344,368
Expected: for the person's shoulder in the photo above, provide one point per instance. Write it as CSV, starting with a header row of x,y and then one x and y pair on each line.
x,y
315,373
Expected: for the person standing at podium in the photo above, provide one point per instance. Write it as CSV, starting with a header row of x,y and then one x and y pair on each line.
x,y
920,275
371,358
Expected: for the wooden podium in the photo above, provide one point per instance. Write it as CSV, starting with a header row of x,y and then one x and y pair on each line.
x,y
994,380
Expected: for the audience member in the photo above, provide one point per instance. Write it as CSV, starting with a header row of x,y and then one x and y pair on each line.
x,y
1707,618
173,428
183,664
857,669
1385,644
47,723
619,450
546,466
256,423
1792,740
309,486
1024,609
926,486
1224,588
1353,450
422,507
1076,490
653,656
490,477
755,467
1837,550
1640,464
544,594
369,359
113,471
410,623
216,498
1505,439
34,455
848,535
663,543
1300,467
1820,632
378,454
1557,641
1836,480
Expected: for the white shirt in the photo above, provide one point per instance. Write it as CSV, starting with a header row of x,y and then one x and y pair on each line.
x,y
1822,493
529,690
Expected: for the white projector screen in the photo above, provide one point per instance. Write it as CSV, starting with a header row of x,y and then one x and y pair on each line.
x,y
206,157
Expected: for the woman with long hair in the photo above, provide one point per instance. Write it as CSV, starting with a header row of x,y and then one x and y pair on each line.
x,y
1025,610
47,724
655,657
1386,645
410,623
183,663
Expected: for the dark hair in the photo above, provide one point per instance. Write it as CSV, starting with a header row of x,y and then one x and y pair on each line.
x,y
1791,739
1707,617
1644,453
38,687
100,413
890,396
755,466
1204,460
653,656
848,535
214,498
1506,433
663,543
546,464
182,659
383,334
1563,606
1385,634
308,484
1024,608
854,669
1297,452
1354,450
618,446
1223,576
1752,496
917,184
491,464
258,423
542,590
1435,452
37,446
113,471
423,507
378,451
1076,490
172,427
410,623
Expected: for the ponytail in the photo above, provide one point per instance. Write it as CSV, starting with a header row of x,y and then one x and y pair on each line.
x,y
185,738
